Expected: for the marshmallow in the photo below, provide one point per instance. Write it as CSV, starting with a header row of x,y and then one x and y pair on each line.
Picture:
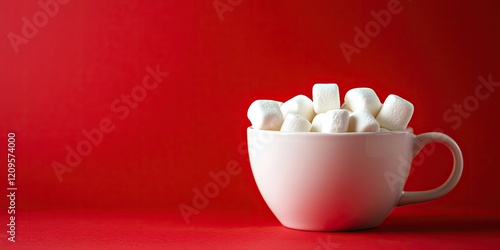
x,y
265,114
396,113
325,97
384,130
363,98
335,121
300,105
363,121
317,122
295,123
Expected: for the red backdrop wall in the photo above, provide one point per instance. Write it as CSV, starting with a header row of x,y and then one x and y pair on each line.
x,y
72,69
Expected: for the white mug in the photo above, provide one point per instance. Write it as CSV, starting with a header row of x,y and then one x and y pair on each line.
x,y
340,181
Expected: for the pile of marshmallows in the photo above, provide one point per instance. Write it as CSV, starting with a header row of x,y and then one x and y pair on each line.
x,y
362,111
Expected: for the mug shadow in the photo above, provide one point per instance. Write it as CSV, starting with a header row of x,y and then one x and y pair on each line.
x,y
439,224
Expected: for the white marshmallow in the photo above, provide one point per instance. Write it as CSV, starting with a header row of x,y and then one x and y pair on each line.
x,y
335,121
396,113
384,130
325,97
317,122
363,98
363,121
295,123
301,105
265,114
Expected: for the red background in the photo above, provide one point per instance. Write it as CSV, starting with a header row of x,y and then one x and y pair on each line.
x,y
90,53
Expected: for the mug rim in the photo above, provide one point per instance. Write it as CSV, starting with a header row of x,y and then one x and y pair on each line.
x,y
313,134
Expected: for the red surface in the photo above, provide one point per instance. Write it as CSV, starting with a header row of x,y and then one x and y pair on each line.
x,y
75,73
405,228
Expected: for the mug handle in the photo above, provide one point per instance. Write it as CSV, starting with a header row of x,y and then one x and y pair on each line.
x,y
421,196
